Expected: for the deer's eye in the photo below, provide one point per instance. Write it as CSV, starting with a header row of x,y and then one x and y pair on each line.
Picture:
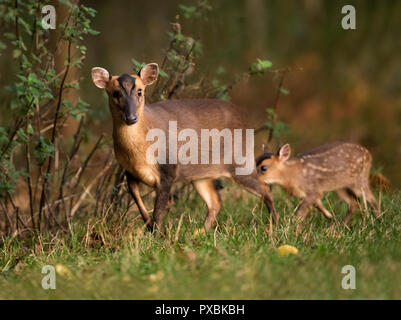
x,y
263,168
116,94
139,92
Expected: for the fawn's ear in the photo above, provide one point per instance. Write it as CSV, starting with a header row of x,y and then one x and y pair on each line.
x,y
284,153
149,73
100,77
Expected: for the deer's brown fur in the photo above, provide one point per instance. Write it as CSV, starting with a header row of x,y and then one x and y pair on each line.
x,y
340,167
132,120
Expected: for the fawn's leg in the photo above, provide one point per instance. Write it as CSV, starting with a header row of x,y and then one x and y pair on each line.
x,y
302,212
303,209
371,200
351,201
320,206
367,197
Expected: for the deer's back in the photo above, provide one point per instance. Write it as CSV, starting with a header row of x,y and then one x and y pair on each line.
x,y
195,114
335,165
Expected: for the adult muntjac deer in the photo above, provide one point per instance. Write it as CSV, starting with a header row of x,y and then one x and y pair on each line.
x,y
133,121
340,167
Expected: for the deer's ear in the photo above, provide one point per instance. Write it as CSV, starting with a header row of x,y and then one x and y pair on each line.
x,y
100,77
149,73
284,153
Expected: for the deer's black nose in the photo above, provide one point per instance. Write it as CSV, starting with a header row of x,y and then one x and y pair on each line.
x,y
131,120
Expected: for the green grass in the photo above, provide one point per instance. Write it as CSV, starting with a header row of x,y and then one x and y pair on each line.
x,y
238,260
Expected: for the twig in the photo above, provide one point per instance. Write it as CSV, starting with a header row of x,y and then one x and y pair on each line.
x,y
46,178
275,105
73,151
87,190
97,144
29,181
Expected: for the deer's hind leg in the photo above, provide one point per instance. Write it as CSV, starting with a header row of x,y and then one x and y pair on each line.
x,y
370,198
367,197
372,201
352,202
208,193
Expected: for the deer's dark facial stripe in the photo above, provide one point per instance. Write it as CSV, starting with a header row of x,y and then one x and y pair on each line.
x,y
127,83
128,104
263,157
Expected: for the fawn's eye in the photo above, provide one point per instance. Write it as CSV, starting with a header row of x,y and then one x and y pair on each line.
x,y
116,94
263,168
139,92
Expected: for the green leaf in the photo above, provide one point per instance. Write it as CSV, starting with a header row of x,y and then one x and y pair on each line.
x,y
270,111
43,149
162,73
68,104
29,129
259,67
93,32
67,3
265,64
22,135
138,65
285,91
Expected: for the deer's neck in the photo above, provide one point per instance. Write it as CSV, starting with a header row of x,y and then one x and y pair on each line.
x,y
129,137
130,148
124,134
292,178
129,141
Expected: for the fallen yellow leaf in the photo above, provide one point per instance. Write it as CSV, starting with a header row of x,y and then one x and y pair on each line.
x,y
63,271
286,249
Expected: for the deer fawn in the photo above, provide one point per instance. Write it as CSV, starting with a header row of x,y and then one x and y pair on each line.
x,y
340,167
133,120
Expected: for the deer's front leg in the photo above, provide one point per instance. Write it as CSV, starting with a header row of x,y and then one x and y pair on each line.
x,y
133,188
303,209
301,213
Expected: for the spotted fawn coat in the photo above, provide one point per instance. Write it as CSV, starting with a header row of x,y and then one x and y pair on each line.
x,y
340,167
